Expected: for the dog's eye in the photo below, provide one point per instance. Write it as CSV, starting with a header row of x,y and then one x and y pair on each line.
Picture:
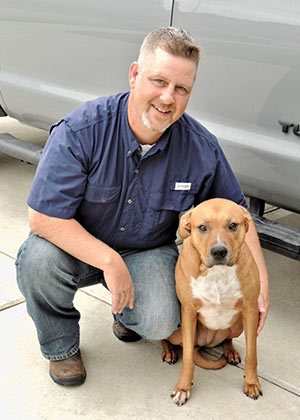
x,y
233,227
203,228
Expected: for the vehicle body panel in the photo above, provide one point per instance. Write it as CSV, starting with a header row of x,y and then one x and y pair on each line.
x,y
57,54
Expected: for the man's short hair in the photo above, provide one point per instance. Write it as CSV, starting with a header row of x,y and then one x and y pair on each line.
x,y
175,41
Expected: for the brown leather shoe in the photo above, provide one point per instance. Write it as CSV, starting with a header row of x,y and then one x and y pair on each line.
x,y
68,371
124,334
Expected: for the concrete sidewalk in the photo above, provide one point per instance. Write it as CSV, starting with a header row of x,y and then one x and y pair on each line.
x,y
129,381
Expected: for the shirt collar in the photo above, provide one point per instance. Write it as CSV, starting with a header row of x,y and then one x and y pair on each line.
x,y
131,143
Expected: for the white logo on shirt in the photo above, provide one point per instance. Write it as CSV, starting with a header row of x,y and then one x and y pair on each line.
x,y
183,186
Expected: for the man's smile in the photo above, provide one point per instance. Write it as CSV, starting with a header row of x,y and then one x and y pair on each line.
x,y
160,110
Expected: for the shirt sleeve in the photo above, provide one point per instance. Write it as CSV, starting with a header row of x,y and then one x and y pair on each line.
x,y
60,179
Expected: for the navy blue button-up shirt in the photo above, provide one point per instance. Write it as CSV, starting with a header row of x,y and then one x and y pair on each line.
x,y
91,169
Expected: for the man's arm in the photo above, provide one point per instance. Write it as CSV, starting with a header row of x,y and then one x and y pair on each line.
x,y
264,296
71,237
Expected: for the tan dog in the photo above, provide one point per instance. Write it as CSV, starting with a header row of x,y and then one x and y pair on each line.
x,y
217,284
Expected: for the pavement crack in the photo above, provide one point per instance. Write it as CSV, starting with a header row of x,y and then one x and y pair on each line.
x,y
264,376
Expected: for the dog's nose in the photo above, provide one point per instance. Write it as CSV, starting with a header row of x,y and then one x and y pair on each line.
x,y
218,252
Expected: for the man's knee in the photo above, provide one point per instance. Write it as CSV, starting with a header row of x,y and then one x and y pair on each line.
x,y
162,331
152,324
156,314
35,260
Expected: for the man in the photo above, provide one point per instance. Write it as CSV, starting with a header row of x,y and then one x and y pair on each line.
x,y
104,205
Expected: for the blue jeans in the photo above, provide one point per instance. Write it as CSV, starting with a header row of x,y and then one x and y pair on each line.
x,y
49,278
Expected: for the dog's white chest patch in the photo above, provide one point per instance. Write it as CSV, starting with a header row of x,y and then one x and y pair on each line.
x,y
219,291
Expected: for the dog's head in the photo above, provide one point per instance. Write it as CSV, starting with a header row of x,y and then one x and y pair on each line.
x,y
217,228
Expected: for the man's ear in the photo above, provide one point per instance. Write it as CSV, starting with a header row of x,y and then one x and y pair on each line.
x,y
133,72
247,217
185,225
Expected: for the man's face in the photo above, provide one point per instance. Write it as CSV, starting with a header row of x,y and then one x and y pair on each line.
x,y
161,85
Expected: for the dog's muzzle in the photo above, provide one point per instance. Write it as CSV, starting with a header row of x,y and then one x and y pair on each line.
x,y
219,255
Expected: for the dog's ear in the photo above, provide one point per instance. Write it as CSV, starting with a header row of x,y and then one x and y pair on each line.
x,y
185,225
247,217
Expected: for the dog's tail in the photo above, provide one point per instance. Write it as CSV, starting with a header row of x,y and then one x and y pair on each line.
x,y
207,363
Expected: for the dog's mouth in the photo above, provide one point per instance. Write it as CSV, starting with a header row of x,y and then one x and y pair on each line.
x,y
220,263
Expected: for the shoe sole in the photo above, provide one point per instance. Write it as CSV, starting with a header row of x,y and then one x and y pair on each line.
x,y
68,381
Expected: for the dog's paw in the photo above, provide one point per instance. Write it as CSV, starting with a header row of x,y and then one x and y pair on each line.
x,y
252,390
170,358
232,357
168,354
180,397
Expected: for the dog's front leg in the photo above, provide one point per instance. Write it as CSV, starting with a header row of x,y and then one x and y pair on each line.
x,y
252,386
182,391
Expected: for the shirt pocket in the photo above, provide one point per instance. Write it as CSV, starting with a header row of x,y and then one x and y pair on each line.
x,y
171,200
102,194
167,205
99,210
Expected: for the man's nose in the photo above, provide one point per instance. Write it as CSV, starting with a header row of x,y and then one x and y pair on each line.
x,y
168,95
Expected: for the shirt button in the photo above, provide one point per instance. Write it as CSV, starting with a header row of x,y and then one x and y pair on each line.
x,y
129,152
136,171
122,229
129,201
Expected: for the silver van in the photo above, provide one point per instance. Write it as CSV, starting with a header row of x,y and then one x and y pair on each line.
x,y
56,54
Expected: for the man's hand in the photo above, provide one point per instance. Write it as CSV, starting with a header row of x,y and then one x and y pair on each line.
x,y
70,236
263,306
119,282
264,296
